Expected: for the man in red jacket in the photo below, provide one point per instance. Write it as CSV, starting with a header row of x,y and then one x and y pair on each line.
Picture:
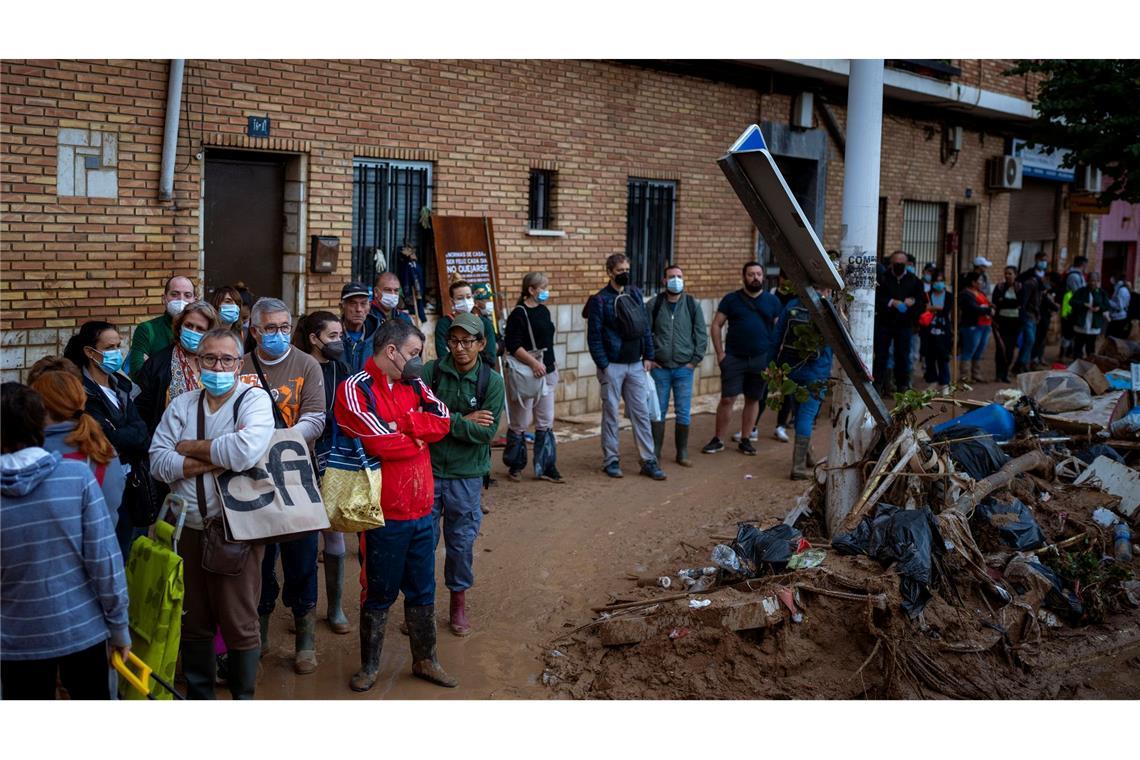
x,y
395,415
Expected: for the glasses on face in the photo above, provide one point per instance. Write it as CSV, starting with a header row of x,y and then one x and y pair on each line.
x,y
464,342
284,329
225,363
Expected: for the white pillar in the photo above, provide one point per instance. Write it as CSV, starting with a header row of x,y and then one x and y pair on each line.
x,y
853,426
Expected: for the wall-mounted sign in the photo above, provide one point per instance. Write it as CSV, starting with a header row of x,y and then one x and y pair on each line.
x,y
258,126
465,250
1036,163
1086,203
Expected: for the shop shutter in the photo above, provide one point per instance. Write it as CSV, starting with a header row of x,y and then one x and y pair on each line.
x,y
1033,211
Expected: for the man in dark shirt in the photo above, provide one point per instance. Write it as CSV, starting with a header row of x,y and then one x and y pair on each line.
x,y
898,303
751,315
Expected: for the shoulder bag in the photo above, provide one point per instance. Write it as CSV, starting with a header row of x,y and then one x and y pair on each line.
x,y
524,385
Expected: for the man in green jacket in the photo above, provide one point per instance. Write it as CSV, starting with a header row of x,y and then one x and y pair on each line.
x,y
156,334
474,394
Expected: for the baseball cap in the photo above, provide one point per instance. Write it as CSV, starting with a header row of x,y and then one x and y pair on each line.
x,y
355,289
982,261
468,323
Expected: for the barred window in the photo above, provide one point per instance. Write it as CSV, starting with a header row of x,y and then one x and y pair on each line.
x,y
649,230
541,199
924,232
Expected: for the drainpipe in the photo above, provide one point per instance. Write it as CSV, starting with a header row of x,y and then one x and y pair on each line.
x,y
170,131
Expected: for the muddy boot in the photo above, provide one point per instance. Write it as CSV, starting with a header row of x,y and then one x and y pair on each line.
x,y
546,457
514,455
421,632
263,623
681,441
800,469
372,624
810,457
334,588
243,672
305,644
658,437
198,667
458,614
976,372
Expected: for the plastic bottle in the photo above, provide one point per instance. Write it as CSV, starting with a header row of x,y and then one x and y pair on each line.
x,y
724,557
1122,540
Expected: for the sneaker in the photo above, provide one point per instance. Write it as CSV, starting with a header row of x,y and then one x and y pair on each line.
x,y
613,470
713,446
753,436
650,469
514,476
552,476
781,434
529,436
746,447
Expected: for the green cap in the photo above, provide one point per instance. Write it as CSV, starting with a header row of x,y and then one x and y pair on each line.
x,y
469,323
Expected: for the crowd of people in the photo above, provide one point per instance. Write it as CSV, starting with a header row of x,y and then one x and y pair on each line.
x,y
207,381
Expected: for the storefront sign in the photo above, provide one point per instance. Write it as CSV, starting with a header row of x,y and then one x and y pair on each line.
x,y
465,250
1036,163
1086,203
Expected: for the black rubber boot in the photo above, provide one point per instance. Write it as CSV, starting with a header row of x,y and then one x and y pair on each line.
x,y
421,632
800,469
372,624
681,440
334,589
658,437
305,644
243,672
514,454
199,667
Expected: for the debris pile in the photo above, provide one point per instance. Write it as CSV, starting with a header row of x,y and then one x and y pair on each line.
x,y
983,559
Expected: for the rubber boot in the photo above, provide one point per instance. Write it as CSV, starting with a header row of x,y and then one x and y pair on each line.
x,y
334,589
514,454
243,672
458,614
681,440
976,372
800,470
305,644
199,667
421,633
658,429
372,623
263,624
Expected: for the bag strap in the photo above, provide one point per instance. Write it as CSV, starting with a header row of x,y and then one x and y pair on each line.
x,y
482,383
278,420
200,480
657,307
749,302
533,343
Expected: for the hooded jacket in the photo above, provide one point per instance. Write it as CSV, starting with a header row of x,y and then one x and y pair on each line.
x,y
112,478
62,585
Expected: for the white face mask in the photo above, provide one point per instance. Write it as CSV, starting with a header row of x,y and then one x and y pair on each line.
x,y
175,307
464,305
389,300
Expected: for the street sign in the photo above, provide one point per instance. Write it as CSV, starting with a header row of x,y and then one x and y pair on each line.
x,y
1086,203
759,185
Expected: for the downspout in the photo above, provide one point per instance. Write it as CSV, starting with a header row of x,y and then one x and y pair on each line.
x,y
170,131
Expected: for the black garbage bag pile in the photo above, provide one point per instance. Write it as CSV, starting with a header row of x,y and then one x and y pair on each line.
x,y
1014,523
974,450
1040,586
1089,453
768,550
908,537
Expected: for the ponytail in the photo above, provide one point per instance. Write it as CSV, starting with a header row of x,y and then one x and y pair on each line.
x,y
64,399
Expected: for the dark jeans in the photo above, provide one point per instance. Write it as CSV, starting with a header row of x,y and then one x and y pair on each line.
x,y
893,341
1084,345
399,557
786,408
85,675
1119,328
936,352
1008,330
299,565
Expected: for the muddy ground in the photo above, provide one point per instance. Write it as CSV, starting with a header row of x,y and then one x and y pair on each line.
x,y
548,553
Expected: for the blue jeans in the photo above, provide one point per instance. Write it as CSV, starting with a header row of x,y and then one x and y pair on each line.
x,y
807,411
400,557
457,508
680,381
299,563
974,340
126,533
1027,341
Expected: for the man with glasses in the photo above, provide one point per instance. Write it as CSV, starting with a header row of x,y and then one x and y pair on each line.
x,y
465,383
296,384
156,334
237,431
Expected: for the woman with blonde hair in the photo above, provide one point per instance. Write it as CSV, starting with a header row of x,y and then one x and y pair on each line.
x,y
174,370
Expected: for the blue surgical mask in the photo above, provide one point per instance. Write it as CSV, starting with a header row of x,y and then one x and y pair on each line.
x,y
229,313
939,286
112,361
675,284
910,268
926,278
542,296
190,339
1042,265
275,345
217,383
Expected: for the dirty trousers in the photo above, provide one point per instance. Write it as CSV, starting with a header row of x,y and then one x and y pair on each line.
x,y
457,511
400,557
214,601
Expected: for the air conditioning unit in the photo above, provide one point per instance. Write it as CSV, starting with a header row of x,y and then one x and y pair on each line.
x,y
1004,173
1090,179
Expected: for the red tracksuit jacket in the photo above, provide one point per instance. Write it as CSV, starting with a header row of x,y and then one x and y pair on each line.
x,y
395,423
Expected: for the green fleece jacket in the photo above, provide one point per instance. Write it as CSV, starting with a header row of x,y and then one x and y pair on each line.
x,y
679,333
465,452
148,339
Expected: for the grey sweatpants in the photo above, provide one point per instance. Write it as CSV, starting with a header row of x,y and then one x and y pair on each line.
x,y
626,381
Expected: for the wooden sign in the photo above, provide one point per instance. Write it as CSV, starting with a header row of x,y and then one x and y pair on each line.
x,y
1086,203
465,250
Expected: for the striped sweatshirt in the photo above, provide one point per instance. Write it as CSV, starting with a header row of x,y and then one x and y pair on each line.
x,y
62,585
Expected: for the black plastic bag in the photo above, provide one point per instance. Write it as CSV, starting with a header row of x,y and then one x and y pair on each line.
x,y
767,549
908,537
1088,454
1013,521
1058,598
979,456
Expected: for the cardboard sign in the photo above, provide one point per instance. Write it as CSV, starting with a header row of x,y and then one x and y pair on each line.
x,y
464,250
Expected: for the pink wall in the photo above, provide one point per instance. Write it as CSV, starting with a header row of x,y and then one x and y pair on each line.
x,y
1121,223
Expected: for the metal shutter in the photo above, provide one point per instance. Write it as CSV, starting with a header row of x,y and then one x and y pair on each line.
x,y
1033,211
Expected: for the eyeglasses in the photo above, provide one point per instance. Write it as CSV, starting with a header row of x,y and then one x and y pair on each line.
x,y
465,342
228,363
277,329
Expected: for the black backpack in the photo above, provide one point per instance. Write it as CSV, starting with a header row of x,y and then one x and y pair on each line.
x,y
690,302
630,319
1133,305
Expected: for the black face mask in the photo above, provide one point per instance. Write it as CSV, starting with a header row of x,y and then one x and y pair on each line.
x,y
898,269
754,287
332,350
622,279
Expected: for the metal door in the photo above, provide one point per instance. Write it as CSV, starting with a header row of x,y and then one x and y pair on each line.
x,y
244,222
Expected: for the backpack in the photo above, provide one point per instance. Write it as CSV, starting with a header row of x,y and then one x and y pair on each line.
x,y
629,316
690,302
481,382
1133,305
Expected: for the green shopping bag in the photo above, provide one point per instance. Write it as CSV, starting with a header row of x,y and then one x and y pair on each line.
x,y
155,588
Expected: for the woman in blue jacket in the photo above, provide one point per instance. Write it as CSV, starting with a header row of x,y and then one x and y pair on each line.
x,y
808,368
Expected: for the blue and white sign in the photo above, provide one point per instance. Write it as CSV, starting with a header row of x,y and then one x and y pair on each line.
x,y
1038,164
